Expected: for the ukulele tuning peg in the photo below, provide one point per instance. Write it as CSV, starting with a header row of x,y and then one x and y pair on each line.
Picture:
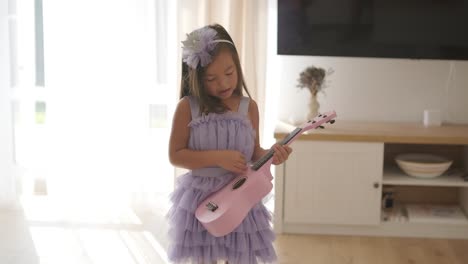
x,y
331,121
321,127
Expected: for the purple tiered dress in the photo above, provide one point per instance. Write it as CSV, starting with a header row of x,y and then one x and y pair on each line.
x,y
252,240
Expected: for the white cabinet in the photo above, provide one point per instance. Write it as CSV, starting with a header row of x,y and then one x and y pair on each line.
x,y
333,183
335,187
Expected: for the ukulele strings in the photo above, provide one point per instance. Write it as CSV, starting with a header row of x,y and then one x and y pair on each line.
x,y
259,163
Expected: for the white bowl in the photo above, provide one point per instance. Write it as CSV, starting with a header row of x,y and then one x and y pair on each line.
x,y
423,165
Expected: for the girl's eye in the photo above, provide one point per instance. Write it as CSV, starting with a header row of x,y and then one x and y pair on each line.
x,y
230,73
210,79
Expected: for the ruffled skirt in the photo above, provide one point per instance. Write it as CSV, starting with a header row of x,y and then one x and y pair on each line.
x,y
251,242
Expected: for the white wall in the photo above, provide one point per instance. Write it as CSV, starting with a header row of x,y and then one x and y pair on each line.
x,y
367,89
378,89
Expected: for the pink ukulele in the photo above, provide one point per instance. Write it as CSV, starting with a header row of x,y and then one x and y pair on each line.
x,y
225,209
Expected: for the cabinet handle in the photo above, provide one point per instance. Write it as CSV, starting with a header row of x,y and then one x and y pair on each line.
x,y
376,185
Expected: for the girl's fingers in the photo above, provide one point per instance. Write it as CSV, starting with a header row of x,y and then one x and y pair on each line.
x,y
275,160
241,166
242,159
281,153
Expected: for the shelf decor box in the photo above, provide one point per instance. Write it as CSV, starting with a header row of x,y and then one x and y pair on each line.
x,y
432,213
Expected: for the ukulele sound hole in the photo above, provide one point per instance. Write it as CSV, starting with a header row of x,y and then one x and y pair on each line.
x,y
211,206
239,183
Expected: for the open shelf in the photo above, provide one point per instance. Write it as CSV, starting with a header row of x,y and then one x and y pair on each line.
x,y
394,176
412,224
433,230
399,216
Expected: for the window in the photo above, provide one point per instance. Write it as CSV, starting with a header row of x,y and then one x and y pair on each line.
x,y
85,75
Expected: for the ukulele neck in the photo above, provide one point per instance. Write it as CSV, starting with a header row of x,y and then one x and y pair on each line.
x,y
286,141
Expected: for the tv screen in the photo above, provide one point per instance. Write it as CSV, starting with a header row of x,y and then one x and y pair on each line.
x,y
419,29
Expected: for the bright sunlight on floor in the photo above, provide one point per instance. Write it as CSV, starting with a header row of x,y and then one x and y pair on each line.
x,y
90,234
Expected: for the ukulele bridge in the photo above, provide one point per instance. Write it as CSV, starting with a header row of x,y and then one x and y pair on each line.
x,y
211,206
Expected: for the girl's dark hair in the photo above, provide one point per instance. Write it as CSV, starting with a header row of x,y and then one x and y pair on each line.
x,y
192,79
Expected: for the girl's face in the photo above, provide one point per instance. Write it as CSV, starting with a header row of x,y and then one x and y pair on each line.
x,y
220,78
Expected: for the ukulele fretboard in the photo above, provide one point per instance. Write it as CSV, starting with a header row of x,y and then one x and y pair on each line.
x,y
259,163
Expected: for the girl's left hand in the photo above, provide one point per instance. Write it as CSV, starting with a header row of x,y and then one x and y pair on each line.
x,y
281,153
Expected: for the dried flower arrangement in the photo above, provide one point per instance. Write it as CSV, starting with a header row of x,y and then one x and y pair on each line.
x,y
313,78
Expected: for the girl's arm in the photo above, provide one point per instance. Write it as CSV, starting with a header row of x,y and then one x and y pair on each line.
x,y
254,118
181,156
281,152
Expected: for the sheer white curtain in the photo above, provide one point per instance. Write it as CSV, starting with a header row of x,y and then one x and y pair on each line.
x,y
246,22
111,96
94,133
7,168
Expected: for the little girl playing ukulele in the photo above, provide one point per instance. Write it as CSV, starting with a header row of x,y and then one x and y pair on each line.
x,y
215,135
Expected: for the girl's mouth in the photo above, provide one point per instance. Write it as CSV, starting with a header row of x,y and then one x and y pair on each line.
x,y
224,92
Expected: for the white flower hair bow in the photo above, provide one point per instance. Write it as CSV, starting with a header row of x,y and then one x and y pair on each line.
x,y
198,46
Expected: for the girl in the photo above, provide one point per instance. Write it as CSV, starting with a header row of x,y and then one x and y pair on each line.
x,y
215,134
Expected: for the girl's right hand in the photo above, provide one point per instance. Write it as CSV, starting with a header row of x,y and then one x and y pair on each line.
x,y
232,160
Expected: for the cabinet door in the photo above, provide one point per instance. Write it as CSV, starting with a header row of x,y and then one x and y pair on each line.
x,y
333,183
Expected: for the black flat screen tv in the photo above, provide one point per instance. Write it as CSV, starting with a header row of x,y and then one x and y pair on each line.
x,y
418,29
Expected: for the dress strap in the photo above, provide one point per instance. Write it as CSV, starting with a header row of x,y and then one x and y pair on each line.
x,y
194,107
244,105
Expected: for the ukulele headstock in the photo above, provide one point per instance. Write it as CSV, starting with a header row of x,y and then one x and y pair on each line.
x,y
319,120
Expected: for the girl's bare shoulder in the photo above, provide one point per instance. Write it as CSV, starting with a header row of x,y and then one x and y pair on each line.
x,y
183,107
253,108
184,101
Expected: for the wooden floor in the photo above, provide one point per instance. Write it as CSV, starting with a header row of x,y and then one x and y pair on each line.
x,y
27,241
321,249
